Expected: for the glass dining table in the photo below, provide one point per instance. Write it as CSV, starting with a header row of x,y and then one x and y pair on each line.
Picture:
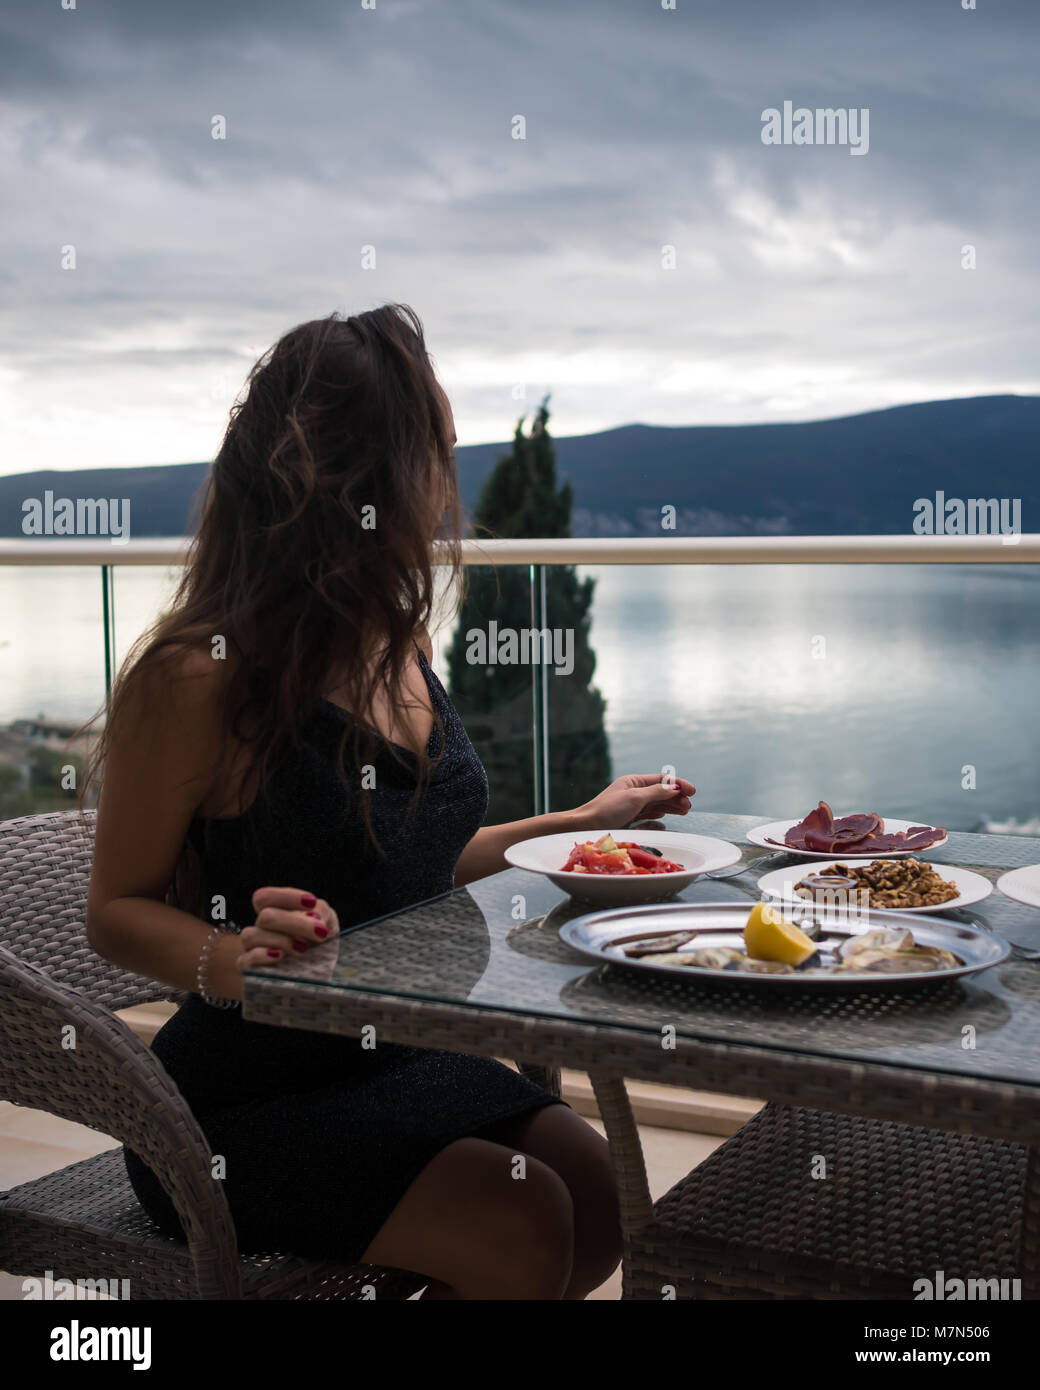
x,y
482,969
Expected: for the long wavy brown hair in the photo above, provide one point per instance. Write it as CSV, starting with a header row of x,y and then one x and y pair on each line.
x,y
312,563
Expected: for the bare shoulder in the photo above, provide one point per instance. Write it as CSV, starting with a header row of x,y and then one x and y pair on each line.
x,y
196,674
163,756
182,686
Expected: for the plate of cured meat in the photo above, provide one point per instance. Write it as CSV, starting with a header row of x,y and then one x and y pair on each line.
x,y
864,835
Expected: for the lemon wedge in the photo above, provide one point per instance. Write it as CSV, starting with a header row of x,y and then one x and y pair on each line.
x,y
768,936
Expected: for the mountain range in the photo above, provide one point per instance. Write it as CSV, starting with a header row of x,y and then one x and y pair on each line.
x,y
857,475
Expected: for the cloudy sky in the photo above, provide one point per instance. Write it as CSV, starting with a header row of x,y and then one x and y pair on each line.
x,y
807,281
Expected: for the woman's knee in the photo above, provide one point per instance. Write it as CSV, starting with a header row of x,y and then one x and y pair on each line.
x,y
597,1226
487,1221
580,1156
524,1214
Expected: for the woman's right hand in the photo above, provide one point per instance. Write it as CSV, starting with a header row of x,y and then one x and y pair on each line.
x,y
288,921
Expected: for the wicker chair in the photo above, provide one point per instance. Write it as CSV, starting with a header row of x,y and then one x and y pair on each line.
x,y
65,1052
898,1203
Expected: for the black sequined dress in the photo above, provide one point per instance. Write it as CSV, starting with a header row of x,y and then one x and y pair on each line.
x,y
321,1137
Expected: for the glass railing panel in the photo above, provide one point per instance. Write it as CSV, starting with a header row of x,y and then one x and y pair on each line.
x,y
907,689
52,679
575,747
477,661
495,698
142,594
910,690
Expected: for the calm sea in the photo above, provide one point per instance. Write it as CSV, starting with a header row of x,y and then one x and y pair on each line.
x,y
885,688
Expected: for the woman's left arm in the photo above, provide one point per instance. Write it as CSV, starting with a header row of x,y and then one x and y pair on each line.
x,y
639,796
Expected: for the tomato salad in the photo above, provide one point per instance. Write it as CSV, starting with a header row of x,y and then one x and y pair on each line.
x,y
609,856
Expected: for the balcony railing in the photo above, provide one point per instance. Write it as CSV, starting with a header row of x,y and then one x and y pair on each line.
x,y
540,557
628,550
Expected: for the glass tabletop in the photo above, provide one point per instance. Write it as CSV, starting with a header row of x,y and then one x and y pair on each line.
x,y
495,945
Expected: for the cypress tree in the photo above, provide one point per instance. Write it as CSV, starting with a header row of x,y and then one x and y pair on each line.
x,y
520,499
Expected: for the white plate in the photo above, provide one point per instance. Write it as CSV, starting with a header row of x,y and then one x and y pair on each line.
x,y
698,854
765,835
971,887
1022,884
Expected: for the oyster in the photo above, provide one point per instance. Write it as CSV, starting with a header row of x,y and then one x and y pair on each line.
x,y
671,958
881,938
891,963
713,958
943,960
764,967
656,945
892,951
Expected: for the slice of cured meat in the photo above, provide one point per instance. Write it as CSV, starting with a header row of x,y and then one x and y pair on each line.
x,y
848,829
820,833
822,841
917,837
818,824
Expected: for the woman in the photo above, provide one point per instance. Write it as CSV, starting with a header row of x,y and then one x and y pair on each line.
x,y
276,749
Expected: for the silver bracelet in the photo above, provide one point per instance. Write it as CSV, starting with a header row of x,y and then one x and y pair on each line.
x,y
203,969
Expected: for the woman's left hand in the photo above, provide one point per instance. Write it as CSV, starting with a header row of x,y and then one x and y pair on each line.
x,y
639,796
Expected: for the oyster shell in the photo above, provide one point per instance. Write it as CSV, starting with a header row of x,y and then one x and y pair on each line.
x,y
713,957
880,938
887,962
892,963
656,945
752,966
892,951
812,929
944,960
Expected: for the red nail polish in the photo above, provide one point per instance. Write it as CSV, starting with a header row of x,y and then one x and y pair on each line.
x,y
315,915
300,946
322,932
273,954
308,900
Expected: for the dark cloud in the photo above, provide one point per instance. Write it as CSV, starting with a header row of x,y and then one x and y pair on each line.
x,y
808,281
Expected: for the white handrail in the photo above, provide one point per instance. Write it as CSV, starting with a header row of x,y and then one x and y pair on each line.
x,y
600,550
757,550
